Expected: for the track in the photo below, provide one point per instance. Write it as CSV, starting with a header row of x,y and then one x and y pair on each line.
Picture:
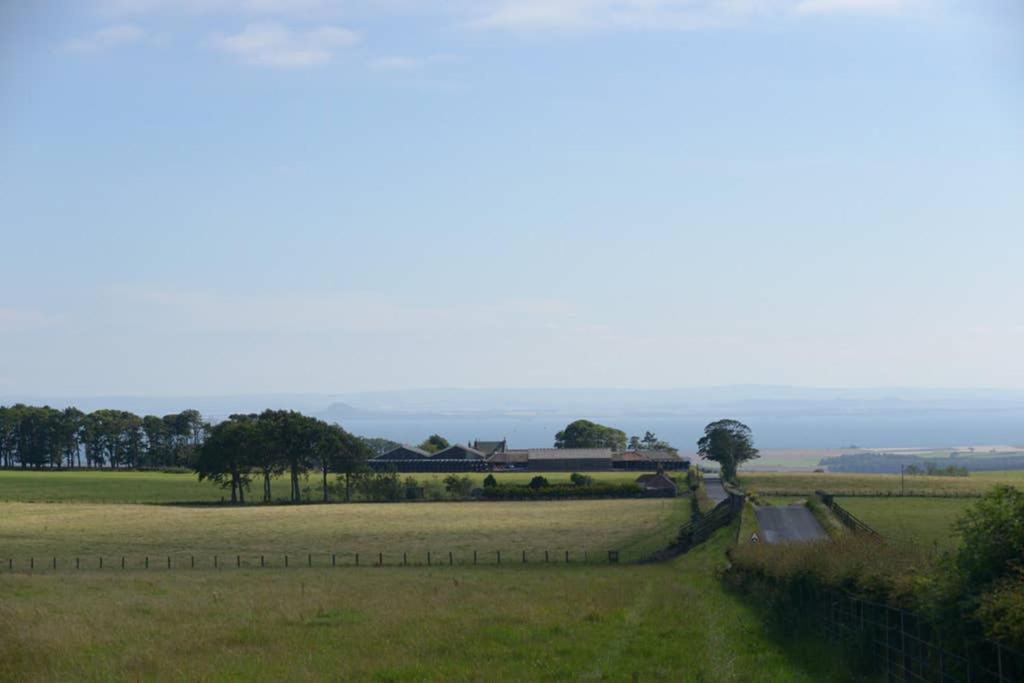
x,y
788,524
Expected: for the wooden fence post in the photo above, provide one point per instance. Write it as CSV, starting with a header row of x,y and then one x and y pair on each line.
x,y
334,560
499,557
524,557
380,559
451,560
309,560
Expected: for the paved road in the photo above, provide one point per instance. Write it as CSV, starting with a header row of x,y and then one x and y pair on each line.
x,y
788,523
715,490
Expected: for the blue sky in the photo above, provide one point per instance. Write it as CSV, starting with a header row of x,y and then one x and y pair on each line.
x,y
233,196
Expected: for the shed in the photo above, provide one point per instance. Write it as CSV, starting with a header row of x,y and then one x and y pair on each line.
x,y
404,453
569,459
458,452
657,484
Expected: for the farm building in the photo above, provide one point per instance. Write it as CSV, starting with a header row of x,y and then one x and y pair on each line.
x,y
489,448
508,459
459,452
649,460
404,453
455,458
568,459
658,484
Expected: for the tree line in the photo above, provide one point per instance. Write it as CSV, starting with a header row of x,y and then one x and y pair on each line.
x,y
44,437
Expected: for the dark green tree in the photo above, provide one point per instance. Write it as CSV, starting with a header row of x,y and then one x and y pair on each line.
x,y
434,443
223,457
729,443
587,434
337,451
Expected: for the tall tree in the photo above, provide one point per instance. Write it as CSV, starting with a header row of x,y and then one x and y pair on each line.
x,y
223,457
729,443
335,450
292,436
587,434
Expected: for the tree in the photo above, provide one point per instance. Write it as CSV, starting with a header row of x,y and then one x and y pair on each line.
x,y
729,443
649,442
335,450
490,481
223,457
292,436
538,482
435,443
992,536
587,434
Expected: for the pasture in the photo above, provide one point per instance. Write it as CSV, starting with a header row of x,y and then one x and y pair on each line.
x,y
923,521
68,530
668,621
93,486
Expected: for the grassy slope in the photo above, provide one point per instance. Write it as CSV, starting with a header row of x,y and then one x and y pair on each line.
x,y
669,622
926,521
72,529
159,487
807,483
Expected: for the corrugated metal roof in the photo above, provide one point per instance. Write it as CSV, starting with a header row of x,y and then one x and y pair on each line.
x,y
568,453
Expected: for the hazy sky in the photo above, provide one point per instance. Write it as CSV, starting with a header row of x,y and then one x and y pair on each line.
x,y
227,196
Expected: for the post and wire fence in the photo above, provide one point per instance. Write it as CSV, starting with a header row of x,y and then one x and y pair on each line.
x,y
907,647
371,558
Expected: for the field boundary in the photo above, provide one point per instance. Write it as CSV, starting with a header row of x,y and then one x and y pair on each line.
x,y
849,520
862,493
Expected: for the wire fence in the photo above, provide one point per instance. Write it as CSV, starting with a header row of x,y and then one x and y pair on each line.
x,y
849,520
906,647
249,560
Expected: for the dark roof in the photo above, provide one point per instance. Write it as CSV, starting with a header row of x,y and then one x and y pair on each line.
x,y
404,453
458,452
508,457
569,453
648,455
489,447
659,480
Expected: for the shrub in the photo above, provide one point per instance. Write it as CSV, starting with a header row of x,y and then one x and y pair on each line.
x,y
580,479
1002,611
538,482
560,491
458,487
489,481
992,532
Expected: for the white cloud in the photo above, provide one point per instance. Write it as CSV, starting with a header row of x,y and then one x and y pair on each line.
x,y
109,37
276,45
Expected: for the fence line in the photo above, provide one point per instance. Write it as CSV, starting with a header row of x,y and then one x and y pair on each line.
x,y
864,493
849,520
905,646
462,558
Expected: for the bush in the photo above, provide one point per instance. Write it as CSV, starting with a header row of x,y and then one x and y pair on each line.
x,y
538,482
1002,611
458,487
489,481
580,479
560,491
993,536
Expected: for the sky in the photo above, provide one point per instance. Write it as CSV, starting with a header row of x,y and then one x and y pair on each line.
x,y
244,196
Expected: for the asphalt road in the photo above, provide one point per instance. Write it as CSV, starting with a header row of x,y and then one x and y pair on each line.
x,y
788,523
715,490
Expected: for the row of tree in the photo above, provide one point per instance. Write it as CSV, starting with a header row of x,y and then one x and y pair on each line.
x,y
278,442
38,437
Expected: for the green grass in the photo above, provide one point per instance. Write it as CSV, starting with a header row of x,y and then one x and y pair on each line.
x,y
670,621
69,530
923,521
807,483
160,487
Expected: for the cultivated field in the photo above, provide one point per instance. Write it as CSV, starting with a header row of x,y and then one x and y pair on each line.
x,y
536,622
807,482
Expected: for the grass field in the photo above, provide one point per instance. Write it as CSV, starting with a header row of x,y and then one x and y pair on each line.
x,y
67,530
669,621
925,521
807,483
161,487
